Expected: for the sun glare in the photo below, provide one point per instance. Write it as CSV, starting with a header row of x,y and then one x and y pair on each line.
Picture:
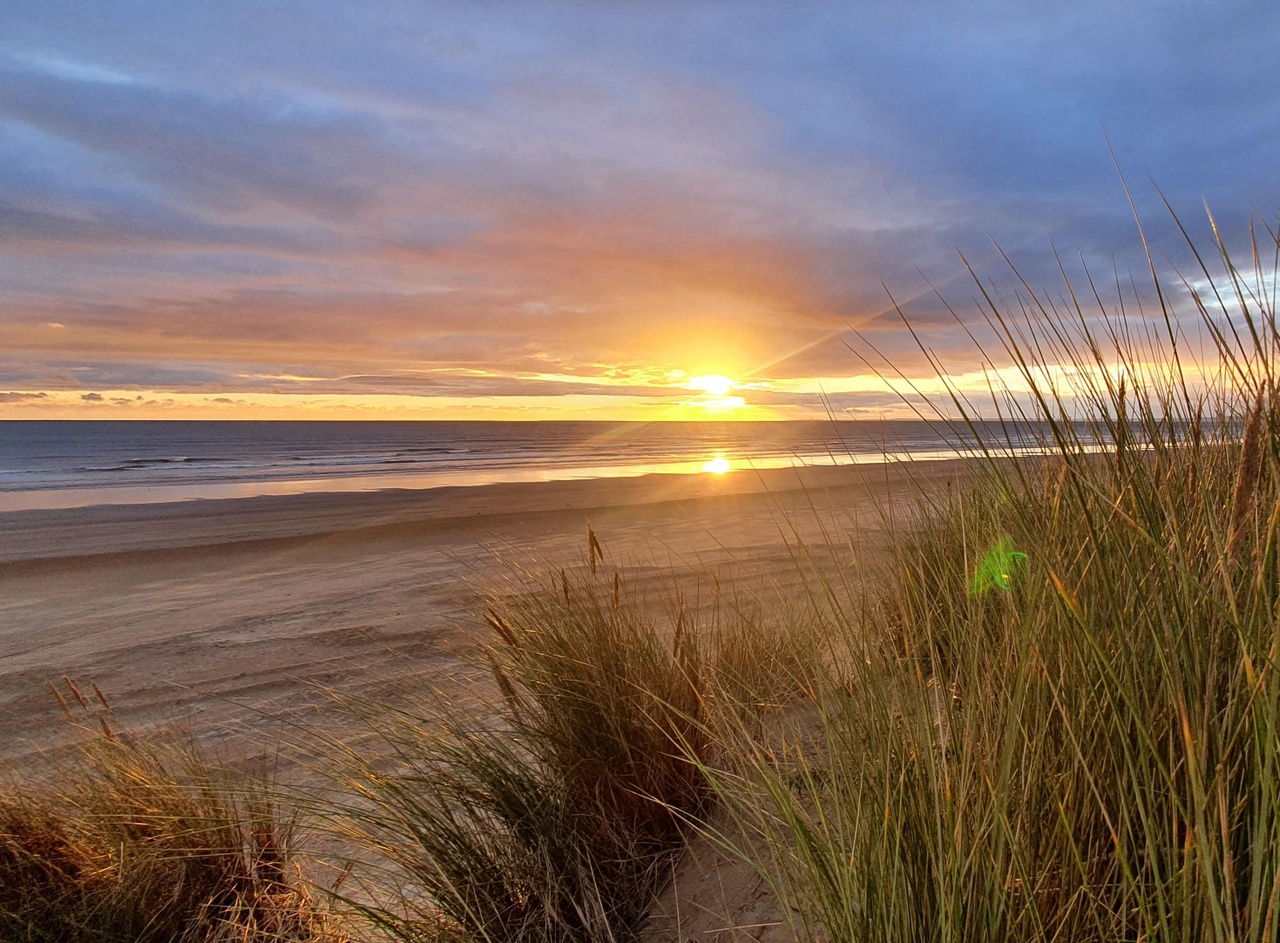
x,y
712,383
713,398
717,466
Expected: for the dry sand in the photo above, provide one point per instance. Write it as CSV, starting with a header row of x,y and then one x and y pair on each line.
x,y
225,616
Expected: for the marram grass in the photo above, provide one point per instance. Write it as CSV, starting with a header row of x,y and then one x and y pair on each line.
x,y
149,841
556,819
1063,718
559,816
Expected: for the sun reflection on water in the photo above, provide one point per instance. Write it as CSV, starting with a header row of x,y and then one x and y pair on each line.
x,y
717,466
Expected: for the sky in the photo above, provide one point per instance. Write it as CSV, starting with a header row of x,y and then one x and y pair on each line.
x,y
585,210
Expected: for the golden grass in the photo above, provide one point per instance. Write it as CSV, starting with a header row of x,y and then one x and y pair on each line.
x,y
1062,719
147,840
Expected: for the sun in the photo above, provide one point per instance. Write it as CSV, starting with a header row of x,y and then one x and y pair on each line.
x,y
713,399
713,384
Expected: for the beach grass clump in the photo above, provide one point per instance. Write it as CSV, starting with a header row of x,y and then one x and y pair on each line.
x,y
613,691
149,840
557,818
1063,720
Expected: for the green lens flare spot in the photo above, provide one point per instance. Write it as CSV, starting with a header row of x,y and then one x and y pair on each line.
x,y
997,567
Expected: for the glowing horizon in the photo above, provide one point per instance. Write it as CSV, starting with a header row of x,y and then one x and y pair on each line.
x,y
669,396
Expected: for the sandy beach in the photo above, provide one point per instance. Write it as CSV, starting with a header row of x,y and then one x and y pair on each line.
x,y
220,615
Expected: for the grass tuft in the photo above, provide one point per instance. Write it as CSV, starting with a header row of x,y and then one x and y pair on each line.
x,y
558,819
149,841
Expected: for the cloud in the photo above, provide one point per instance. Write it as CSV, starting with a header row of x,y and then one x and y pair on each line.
x,y
223,150
389,196
92,397
12,397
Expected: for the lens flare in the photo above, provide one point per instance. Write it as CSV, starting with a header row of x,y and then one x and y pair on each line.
x,y
997,567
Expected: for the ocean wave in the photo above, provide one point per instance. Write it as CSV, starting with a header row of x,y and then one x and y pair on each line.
x,y
36,456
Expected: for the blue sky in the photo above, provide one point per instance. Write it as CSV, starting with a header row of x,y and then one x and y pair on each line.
x,y
572,209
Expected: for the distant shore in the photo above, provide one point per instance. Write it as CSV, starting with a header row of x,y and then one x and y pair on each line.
x,y
218,614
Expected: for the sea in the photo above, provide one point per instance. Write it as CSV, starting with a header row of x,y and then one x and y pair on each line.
x,y
68,464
